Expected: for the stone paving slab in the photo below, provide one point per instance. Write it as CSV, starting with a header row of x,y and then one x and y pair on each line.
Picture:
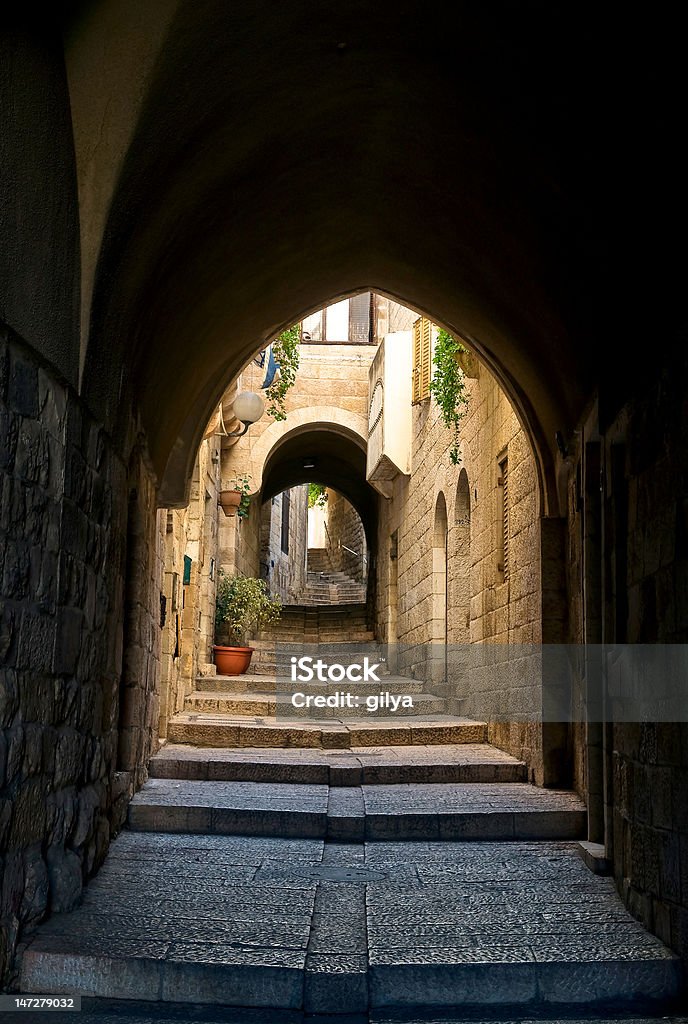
x,y
203,932
448,763
464,811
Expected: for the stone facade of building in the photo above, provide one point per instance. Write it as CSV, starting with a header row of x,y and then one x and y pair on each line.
x,y
347,549
285,570
191,543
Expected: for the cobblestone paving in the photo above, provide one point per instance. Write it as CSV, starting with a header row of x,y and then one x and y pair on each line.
x,y
228,919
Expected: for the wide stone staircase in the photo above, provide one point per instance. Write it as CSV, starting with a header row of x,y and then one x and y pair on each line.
x,y
365,867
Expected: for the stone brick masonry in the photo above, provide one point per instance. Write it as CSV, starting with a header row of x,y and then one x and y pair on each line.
x,y
63,537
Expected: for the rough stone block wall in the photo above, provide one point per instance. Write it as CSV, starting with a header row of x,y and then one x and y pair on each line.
x,y
63,512
189,630
345,530
239,541
650,760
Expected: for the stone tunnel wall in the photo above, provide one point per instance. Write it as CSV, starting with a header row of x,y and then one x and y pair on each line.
x,y
285,572
645,546
63,553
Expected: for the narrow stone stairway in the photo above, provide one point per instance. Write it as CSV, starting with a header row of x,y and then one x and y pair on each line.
x,y
256,709
328,587
389,870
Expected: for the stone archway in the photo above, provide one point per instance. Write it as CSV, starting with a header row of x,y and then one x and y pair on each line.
x,y
325,418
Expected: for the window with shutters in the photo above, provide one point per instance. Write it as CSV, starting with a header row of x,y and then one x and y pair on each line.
x,y
348,322
286,502
503,485
423,332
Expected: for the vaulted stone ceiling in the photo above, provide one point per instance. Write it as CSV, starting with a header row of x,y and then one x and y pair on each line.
x,y
274,156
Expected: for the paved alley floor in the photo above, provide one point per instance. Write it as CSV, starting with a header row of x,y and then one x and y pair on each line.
x,y
308,925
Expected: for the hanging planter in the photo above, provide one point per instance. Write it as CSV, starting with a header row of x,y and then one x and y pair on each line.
x,y
235,501
230,501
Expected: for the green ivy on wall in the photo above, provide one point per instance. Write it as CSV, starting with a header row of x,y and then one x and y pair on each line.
x,y
317,495
285,349
448,386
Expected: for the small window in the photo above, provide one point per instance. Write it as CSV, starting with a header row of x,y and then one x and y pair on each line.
x,y
347,322
360,319
285,522
312,328
337,319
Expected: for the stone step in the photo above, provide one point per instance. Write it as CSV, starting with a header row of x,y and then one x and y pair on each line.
x,y
340,643
264,705
362,766
205,730
424,811
345,632
516,930
263,683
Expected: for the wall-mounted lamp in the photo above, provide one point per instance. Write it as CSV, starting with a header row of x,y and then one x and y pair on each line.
x,y
309,463
248,407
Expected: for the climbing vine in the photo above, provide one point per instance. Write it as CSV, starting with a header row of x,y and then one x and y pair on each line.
x,y
448,386
317,495
285,350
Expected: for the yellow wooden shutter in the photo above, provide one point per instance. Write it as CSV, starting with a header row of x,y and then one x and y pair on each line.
x,y
415,390
426,359
422,359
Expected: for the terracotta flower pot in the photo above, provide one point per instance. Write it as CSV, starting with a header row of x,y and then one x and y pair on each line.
x,y
232,661
230,501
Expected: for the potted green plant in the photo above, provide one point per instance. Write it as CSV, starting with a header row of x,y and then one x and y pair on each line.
x,y
242,603
234,500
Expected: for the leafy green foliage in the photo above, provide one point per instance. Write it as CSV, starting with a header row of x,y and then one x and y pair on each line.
x,y
243,483
448,387
242,603
317,495
286,352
